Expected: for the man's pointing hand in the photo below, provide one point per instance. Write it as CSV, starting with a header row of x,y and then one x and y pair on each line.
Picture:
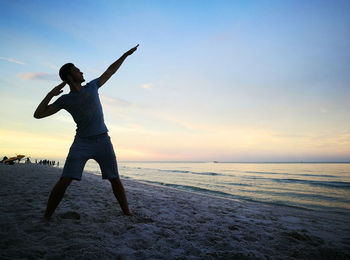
x,y
131,51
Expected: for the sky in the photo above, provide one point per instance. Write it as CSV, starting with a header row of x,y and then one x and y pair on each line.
x,y
241,81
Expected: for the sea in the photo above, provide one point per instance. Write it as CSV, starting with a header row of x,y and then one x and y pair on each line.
x,y
311,186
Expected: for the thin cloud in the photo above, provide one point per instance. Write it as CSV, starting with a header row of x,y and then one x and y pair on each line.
x,y
51,66
38,76
12,60
147,86
115,101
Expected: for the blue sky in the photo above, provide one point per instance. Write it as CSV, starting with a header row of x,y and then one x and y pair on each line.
x,y
211,80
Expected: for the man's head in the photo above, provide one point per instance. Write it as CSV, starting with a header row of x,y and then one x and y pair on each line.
x,y
70,73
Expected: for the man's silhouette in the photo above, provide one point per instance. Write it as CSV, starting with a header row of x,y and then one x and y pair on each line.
x,y
91,140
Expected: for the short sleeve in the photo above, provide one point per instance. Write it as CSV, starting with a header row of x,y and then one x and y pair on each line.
x,y
59,103
95,83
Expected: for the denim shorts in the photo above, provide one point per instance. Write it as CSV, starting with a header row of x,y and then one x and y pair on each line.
x,y
99,148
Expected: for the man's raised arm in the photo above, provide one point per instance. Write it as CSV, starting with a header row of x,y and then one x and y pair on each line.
x,y
44,110
115,66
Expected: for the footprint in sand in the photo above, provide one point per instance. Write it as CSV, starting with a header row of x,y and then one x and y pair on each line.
x,y
70,215
140,218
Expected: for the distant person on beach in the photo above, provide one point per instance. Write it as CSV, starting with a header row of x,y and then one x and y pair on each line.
x,y
91,140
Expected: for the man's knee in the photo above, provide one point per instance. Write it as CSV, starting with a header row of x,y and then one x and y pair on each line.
x,y
114,180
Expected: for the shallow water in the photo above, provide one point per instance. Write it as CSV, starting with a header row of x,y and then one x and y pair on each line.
x,y
315,186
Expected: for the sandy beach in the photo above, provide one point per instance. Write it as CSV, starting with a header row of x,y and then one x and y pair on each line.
x,y
167,223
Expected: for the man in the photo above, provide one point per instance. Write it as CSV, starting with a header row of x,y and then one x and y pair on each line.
x,y
91,140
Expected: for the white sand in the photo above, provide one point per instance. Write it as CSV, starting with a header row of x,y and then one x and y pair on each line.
x,y
167,223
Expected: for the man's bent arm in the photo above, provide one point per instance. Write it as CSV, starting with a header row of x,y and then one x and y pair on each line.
x,y
44,110
115,66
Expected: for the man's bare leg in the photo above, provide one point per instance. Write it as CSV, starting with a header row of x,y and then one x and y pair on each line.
x,y
56,196
119,193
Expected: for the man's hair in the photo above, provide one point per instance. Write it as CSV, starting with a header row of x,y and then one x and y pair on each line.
x,y
65,70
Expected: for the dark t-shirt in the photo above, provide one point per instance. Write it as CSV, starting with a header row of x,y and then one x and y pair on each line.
x,y
85,108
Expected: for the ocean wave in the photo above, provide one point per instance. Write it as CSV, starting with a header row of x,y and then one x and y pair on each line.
x,y
300,195
330,184
333,184
316,175
293,174
265,172
189,187
237,184
176,171
190,172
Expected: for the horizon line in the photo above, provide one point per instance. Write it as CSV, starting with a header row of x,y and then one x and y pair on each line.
x,y
206,161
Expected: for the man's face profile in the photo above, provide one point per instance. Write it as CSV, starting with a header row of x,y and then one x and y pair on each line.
x,y
75,75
